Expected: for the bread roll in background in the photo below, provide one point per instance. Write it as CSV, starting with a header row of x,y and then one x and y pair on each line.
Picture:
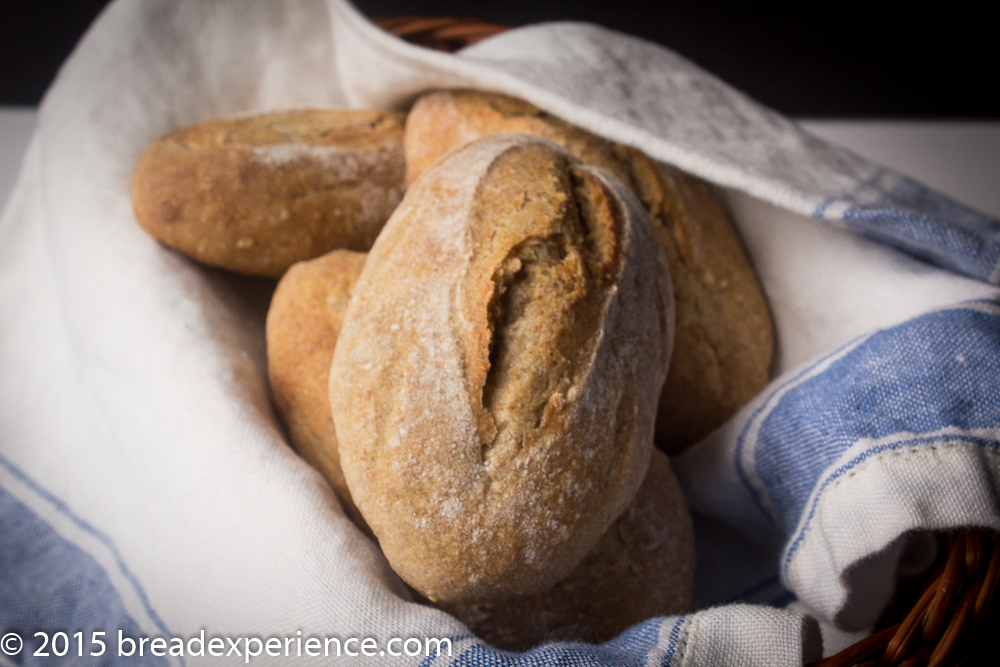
x,y
257,193
303,323
724,340
494,385
643,566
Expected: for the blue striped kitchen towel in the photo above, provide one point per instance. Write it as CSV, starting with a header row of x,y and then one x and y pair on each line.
x,y
146,489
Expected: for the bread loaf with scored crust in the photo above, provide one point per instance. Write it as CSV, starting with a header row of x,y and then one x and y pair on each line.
x,y
257,193
725,338
643,565
494,384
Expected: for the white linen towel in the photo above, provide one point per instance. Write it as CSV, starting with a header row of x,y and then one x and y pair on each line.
x,y
145,486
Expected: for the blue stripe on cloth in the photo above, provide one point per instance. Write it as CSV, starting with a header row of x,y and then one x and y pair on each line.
x,y
629,649
938,371
929,439
454,639
862,186
52,585
745,472
673,641
923,223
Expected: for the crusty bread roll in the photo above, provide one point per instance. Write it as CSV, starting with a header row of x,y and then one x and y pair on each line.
x,y
494,385
257,193
724,340
643,566
303,323
725,336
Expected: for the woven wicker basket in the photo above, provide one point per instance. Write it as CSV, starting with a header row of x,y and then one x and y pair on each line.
x,y
940,619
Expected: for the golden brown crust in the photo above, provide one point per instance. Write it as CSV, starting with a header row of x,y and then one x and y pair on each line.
x,y
440,121
303,323
724,339
257,193
643,566
494,403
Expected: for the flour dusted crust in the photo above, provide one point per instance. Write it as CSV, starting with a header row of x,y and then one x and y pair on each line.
x,y
257,193
493,389
725,336
724,340
303,323
643,566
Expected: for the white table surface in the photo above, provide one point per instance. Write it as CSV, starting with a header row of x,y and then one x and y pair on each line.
x,y
961,159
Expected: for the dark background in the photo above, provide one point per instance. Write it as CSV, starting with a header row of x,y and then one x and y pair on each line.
x,y
818,60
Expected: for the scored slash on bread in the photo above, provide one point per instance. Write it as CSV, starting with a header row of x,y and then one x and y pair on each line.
x,y
641,567
724,338
486,474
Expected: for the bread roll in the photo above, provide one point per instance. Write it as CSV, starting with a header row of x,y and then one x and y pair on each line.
x,y
257,193
441,120
725,336
643,566
303,323
724,340
495,381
